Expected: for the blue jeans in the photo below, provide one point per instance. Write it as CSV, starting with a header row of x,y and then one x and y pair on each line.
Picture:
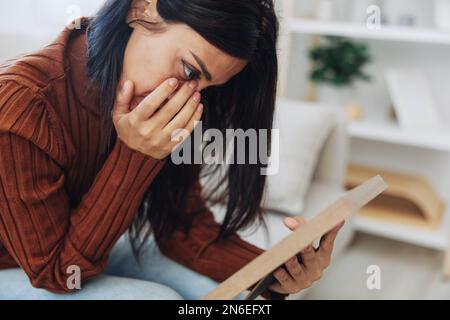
x,y
154,278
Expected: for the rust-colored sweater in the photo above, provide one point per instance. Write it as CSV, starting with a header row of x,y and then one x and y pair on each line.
x,y
61,202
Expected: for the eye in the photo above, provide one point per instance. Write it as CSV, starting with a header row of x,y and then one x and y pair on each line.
x,y
189,72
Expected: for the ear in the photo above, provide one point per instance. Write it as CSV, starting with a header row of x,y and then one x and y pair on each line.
x,y
144,12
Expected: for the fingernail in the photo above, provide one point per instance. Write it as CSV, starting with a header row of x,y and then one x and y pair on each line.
x,y
124,86
173,82
309,249
279,273
193,84
197,97
200,108
291,221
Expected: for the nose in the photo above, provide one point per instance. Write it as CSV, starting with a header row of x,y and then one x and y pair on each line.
x,y
201,85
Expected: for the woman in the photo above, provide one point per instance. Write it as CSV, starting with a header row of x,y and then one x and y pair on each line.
x,y
82,162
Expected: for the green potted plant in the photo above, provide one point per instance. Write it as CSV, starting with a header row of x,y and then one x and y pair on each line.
x,y
338,63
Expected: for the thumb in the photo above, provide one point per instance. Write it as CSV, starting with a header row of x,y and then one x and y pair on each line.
x,y
294,223
123,99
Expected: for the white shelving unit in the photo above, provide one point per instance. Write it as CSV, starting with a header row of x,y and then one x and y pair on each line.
x,y
433,239
353,30
389,133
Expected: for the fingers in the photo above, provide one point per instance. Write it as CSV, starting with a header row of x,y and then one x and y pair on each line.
x,y
181,120
277,287
297,271
299,275
307,255
123,99
311,265
327,241
179,136
153,101
176,103
286,284
196,117
326,246
294,223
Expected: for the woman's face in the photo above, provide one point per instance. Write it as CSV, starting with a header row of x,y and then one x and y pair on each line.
x,y
177,51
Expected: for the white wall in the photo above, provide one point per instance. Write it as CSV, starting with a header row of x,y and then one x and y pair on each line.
x,y
27,25
22,14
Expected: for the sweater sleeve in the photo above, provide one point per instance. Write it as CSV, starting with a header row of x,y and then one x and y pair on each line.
x,y
198,250
38,228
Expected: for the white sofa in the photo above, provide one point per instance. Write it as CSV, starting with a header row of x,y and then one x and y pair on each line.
x,y
327,186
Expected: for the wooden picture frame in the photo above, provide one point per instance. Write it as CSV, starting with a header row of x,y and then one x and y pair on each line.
x,y
262,267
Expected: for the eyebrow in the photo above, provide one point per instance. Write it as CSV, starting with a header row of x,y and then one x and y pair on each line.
x,y
202,66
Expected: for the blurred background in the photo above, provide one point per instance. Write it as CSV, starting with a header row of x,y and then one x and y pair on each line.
x,y
28,24
364,89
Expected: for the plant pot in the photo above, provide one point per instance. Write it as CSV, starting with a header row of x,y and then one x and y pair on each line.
x,y
345,97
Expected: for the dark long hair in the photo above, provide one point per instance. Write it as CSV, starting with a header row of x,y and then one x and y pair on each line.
x,y
243,29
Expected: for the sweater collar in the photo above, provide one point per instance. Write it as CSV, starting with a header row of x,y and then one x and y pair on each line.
x,y
76,67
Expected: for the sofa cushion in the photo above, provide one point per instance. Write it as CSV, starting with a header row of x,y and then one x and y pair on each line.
x,y
303,130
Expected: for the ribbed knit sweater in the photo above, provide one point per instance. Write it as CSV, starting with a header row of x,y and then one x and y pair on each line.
x,y
61,202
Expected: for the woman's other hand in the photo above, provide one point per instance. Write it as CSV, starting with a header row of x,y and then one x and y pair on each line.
x,y
300,274
149,128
